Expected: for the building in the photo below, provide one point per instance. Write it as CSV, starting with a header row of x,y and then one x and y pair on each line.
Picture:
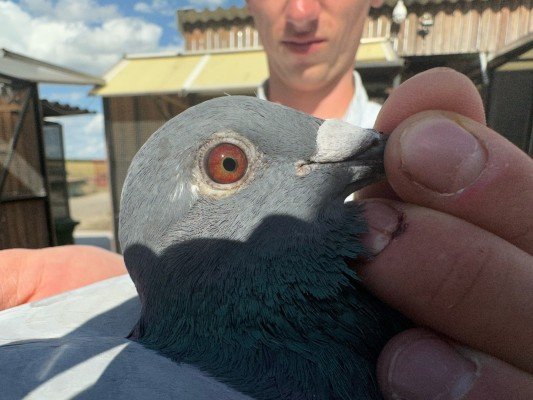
x,y
491,41
33,207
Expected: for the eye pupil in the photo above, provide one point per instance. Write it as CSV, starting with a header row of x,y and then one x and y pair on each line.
x,y
229,164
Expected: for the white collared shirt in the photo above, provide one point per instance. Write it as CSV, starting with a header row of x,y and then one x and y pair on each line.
x,y
361,112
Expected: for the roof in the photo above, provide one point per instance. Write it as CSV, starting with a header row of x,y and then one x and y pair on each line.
x,y
517,56
214,73
55,109
21,67
521,63
192,16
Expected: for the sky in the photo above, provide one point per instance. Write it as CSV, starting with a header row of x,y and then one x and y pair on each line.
x,y
90,36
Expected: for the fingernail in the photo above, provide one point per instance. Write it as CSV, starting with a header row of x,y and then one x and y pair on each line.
x,y
429,369
441,155
383,223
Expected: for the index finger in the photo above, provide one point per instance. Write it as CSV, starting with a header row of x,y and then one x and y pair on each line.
x,y
434,89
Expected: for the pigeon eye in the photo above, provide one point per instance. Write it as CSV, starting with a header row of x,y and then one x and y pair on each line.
x,y
226,163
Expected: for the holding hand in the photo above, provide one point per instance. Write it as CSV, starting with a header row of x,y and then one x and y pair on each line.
x,y
30,275
456,255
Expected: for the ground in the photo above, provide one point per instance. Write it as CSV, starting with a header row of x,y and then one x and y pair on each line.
x,y
93,211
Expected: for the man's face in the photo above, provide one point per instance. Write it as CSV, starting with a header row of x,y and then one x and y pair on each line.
x,y
310,43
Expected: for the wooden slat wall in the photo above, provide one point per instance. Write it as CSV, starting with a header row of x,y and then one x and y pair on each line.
x,y
23,224
461,27
26,163
221,35
24,214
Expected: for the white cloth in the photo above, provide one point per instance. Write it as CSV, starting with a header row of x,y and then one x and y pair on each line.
x,y
361,112
73,345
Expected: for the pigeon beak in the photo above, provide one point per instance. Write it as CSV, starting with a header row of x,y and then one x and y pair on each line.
x,y
360,150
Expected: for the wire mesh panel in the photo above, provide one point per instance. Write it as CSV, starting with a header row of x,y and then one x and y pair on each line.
x,y
24,212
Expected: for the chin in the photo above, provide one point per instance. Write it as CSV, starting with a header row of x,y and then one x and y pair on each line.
x,y
311,78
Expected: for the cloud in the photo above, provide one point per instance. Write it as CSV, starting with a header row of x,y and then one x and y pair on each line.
x,y
143,8
206,3
87,36
42,7
71,10
90,38
163,7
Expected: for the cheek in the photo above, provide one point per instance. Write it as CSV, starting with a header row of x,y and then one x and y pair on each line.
x,y
268,18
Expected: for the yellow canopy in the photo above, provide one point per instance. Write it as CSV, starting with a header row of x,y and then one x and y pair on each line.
x,y
136,76
216,73
228,72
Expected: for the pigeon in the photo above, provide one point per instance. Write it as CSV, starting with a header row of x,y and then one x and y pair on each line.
x,y
237,240
236,235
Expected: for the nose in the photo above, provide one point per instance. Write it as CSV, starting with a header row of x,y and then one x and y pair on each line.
x,y
302,14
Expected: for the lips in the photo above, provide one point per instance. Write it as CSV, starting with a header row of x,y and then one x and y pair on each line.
x,y
306,46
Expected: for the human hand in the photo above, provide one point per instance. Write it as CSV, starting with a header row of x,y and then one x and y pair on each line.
x,y
455,253
30,275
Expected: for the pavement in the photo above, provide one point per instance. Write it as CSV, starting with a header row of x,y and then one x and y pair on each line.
x,y
103,239
93,211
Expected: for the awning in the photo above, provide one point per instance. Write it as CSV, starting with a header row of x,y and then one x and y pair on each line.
x,y
230,72
373,51
150,75
17,66
521,63
214,73
517,56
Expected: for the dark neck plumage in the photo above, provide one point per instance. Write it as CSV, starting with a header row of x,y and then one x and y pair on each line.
x,y
283,321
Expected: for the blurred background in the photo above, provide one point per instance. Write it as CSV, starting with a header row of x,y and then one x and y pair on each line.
x,y
84,83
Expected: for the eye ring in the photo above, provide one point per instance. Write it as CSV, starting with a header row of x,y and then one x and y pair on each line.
x,y
214,187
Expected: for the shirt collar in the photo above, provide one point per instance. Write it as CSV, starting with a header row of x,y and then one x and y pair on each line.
x,y
354,113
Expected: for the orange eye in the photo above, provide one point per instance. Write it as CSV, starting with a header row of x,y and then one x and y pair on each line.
x,y
226,163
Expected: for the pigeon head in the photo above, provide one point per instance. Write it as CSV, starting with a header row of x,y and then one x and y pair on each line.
x,y
220,168
235,233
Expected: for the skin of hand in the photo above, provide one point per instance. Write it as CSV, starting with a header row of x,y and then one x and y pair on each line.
x,y
452,233
30,275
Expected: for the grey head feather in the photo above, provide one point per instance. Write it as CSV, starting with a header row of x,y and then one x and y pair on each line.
x,y
283,137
